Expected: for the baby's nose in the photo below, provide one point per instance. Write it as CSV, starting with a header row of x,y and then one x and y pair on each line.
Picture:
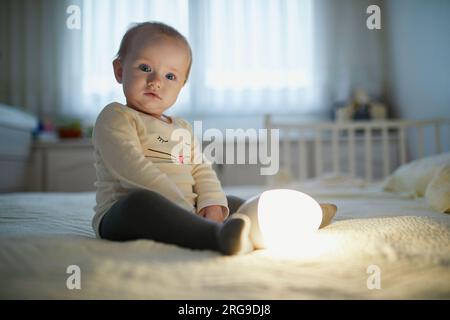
x,y
153,80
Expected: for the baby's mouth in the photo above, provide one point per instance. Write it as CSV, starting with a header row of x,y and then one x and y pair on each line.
x,y
153,95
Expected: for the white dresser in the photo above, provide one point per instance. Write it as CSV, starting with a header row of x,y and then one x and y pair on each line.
x,y
62,166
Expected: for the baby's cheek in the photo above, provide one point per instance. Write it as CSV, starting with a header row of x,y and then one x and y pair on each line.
x,y
130,91
173,97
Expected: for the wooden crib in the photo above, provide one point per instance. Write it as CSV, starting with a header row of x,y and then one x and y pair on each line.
x,y
367,149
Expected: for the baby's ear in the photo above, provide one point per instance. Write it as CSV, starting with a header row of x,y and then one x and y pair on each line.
x,y
117,66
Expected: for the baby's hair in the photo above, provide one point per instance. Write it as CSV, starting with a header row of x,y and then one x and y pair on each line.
x,y
156,28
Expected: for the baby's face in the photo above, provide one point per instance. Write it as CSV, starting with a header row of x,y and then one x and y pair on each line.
x,y
153,73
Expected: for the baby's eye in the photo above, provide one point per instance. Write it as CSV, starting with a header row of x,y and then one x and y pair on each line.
x,y
170,76
145,68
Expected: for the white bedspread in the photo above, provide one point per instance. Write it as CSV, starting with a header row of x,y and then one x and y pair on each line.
x,y
42,234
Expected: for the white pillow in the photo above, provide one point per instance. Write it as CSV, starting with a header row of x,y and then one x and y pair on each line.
x,y
438,190
413,178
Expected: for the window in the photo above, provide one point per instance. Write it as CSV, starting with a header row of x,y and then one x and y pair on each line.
x,y
252,56
257,45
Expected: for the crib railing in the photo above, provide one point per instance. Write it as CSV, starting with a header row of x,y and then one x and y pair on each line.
x,y
350,141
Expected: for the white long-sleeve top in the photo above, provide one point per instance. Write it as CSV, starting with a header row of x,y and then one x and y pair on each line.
x,y
132,150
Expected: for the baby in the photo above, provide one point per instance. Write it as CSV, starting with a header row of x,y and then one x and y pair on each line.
x,y
143,190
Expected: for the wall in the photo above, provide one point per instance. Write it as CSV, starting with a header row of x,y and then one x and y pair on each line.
x,y
418,59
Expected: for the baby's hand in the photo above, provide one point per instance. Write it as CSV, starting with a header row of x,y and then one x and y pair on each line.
x,y
213,213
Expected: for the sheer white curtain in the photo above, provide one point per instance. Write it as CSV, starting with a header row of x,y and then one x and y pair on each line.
x,y
52,70
35,55
253,56
250,57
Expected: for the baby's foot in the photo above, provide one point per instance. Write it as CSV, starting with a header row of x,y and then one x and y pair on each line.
x,y
234,235
328,212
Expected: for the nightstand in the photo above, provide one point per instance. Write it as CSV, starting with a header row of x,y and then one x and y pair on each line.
x,y
62,166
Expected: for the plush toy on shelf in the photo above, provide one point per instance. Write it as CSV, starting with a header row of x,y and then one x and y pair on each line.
x,y
361,107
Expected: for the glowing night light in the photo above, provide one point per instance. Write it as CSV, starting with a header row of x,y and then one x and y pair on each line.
x,y
282,218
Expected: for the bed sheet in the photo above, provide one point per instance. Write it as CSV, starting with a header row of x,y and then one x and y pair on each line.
x,y
43,234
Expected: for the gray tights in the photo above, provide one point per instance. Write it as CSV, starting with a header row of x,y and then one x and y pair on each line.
x,y
144,214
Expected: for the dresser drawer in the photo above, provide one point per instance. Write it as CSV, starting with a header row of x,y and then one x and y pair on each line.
x,y
69,170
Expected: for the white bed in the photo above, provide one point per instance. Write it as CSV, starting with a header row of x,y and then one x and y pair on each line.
x,y
43,234
406,241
